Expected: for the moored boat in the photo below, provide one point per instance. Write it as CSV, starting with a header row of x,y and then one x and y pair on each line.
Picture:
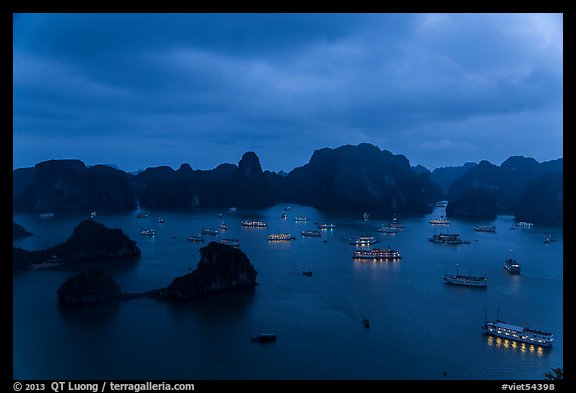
x,y
311,233
280,237
377,254
522,334
300,219
387,229
485,228
326,225
196,238
264,338
209,231
254,224
148,232
448,238
230,242
511,264
469,280
364,241
440,221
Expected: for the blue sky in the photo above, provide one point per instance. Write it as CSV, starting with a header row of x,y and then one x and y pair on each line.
x,y
141,90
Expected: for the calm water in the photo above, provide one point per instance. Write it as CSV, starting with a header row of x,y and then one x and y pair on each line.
x,y
420,329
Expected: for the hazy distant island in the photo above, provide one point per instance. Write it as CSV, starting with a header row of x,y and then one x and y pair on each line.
x,y
89,241
221,268
348,178
19,231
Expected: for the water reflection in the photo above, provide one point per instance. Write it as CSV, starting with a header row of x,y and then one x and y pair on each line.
x,y
512,345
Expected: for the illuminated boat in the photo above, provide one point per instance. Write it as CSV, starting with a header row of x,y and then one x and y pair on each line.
x,y
300,219
524,224
254,224
377,254
223,226
517,333
511,264
326,225
366,216
148,232
395,224
387,229
209,231
280,237
547,238
470,281
485,228
364,241
230,242
196,238
440,221
448,238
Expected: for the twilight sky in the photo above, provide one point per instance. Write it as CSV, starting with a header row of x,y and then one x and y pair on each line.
x,y
142,90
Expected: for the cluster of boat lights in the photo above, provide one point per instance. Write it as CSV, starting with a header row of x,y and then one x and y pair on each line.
x,y
506,343
497,336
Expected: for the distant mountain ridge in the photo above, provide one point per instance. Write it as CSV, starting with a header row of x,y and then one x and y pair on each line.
x,y
348,178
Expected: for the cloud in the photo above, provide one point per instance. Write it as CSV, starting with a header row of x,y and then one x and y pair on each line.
x,y
237,79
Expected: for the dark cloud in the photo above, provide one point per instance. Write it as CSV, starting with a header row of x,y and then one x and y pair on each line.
x,y
423,85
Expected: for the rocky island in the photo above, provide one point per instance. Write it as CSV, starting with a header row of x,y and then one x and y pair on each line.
x,y
221,268
90,287
90,241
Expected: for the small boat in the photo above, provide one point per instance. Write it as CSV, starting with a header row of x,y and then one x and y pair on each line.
x,y
395,224
311,233
254,224
232,210
223,226
196,238
300,219
377,254
160,220
366,323
485,228
524,224
231,242
148,232
326,225
142,215
511,264
366,216
280,237
265,338
547,238
93,215
440,221
284,215
470,281
522,334
209,231
448,238
307,273
46,215
364,241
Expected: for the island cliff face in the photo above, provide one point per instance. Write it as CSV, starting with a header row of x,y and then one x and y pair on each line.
x,y
90,241
68,185
221,268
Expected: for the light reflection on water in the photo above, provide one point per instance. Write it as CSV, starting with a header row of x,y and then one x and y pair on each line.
x,y
419,326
